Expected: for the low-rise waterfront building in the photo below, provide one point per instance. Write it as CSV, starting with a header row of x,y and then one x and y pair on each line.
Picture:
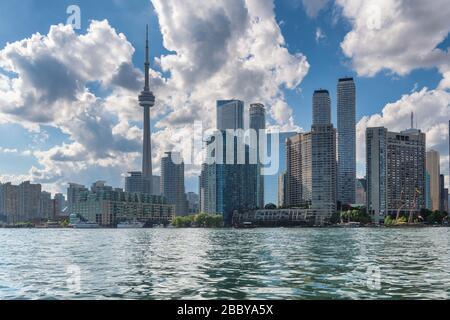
x,y
107,208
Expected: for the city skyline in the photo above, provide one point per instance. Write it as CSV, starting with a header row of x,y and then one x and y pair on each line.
x,y
62,154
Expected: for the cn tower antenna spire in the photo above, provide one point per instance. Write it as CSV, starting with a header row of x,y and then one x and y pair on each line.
x,y
147,62
147,101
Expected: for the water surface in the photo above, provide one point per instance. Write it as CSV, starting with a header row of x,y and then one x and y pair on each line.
x,y
225,264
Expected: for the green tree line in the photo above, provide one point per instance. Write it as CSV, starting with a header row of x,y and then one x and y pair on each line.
x,y
201,220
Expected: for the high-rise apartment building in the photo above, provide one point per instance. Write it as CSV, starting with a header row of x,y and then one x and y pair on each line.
x,y
29,201
346,130
9,202
299,170
324,171
311,176
172,182
433,168
396,175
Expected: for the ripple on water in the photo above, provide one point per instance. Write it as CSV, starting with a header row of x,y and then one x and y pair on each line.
x,y
226,264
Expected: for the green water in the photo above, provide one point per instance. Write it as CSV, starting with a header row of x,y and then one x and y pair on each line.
x,y
225,264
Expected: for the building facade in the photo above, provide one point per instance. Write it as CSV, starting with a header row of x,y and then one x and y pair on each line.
x,y
258,123
230,115
433,168
324,171
346,130
108,208
396,175
299,171
228,182
172,182
321,107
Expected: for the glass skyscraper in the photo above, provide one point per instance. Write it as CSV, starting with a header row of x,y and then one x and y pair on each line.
x,y
258,123
228,187
230,115
346,114
321,107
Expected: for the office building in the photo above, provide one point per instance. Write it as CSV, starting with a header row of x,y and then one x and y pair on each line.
x,y
346,130
396,175
321,107
172,182
258,123
230,115
228,185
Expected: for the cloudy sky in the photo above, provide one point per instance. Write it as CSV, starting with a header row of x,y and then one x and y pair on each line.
x,y
68,109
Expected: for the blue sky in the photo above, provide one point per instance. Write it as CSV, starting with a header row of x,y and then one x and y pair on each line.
x,y
26,143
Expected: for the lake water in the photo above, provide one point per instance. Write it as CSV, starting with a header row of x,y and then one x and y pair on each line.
x,y
225,264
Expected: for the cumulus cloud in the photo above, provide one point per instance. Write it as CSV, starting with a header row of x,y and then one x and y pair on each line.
x,y
50,76
396,35
219,49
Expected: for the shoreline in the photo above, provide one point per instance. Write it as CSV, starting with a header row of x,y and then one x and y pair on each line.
x,y
416,226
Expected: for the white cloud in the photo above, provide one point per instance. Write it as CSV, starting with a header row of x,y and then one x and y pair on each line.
x,y
319,35
313,7
396,35
222,49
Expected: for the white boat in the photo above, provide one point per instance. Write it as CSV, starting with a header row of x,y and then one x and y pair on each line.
x,y
130,225
86,225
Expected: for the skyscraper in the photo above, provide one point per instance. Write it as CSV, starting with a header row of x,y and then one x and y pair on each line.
x,y
172,182
298,191
321,107
147,101
230,115
396,175
324,171
311,178
434,170
226,187
29,201
258,123
346,114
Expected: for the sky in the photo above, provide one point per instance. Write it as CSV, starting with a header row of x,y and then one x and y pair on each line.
x,y
68,96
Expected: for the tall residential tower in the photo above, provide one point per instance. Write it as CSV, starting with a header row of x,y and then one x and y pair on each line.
x,y
346,116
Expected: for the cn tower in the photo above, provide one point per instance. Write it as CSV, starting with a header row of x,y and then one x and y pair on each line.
x,y
147,101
